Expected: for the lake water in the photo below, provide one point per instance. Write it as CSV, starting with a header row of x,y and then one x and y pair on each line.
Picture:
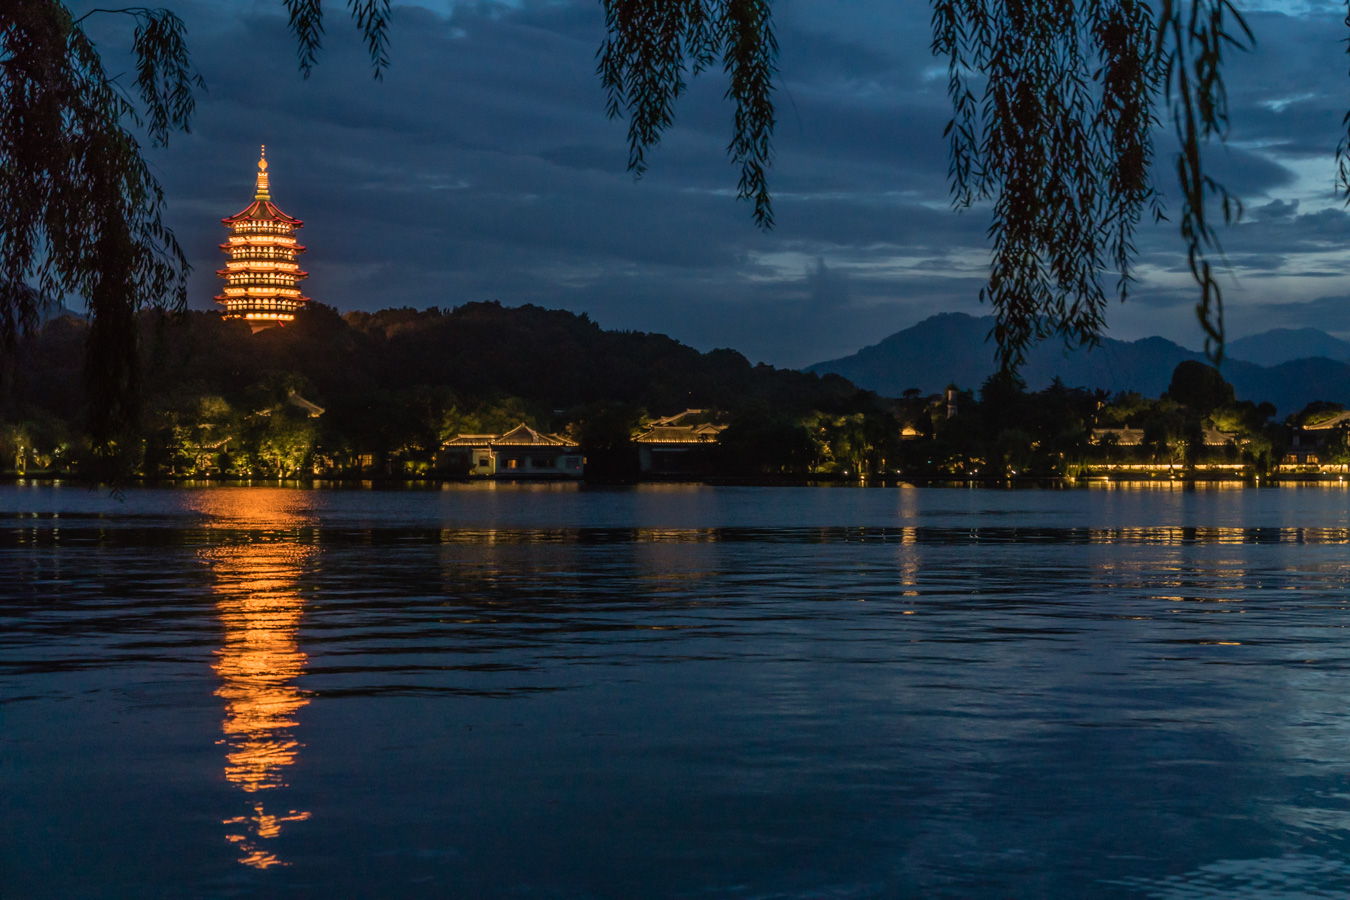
x,y
687,692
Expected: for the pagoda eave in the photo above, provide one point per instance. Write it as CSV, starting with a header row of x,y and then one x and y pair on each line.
x,y
227,298
262,211
264,240
296,274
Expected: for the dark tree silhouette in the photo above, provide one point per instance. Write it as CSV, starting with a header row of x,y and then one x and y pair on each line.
x,y
1199,387
81,212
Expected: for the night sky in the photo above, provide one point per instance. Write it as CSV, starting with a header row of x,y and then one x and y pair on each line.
x,y
483,167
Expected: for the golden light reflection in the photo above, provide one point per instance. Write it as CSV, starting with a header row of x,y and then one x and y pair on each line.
x,y
910,563
259,603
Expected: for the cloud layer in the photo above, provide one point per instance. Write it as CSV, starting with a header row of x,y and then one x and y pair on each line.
x,y
483,167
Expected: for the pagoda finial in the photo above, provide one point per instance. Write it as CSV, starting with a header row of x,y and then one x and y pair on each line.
x,y
263,192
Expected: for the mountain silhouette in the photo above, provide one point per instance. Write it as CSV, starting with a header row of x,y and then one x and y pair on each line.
x,y
1282,345
952,348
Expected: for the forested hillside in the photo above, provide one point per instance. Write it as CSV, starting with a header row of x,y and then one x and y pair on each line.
x,y
395,383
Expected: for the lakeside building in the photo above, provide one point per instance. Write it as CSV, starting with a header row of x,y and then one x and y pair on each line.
x,y
672,445
521,452
1316,441
262,277
313,410
1329,422
1134,437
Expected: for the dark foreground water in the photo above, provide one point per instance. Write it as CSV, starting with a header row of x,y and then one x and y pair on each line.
x,y
555,692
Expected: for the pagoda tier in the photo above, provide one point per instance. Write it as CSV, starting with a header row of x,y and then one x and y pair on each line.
x,y
262,277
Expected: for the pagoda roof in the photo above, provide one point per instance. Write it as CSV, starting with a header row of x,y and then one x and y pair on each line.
x,y
262,211
297,274
253,298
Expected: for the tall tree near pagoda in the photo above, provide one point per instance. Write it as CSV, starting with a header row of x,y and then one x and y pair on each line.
x,y
81,212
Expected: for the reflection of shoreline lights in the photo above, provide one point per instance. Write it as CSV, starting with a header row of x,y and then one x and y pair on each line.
x,y
264,826
259,660
258,663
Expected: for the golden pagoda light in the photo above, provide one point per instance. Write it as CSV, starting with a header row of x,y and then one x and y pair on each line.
x,y
262,278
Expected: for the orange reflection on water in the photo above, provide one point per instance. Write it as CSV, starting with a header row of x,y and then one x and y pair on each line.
x,y
259,659
259,603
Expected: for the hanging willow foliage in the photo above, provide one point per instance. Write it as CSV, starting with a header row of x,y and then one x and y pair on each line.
x,y
652,46
1054,105
1063,161
82,213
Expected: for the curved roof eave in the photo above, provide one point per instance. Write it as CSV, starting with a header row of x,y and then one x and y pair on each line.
x,y
262,211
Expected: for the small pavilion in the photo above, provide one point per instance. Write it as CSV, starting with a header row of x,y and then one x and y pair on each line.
x,y
521,452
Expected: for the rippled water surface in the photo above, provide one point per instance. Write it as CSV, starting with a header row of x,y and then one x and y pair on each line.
x,y
560,692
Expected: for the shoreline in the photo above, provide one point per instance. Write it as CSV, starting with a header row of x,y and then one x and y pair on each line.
x,y
386,482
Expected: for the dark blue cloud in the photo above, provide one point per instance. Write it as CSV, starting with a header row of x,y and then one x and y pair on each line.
x,y
484,167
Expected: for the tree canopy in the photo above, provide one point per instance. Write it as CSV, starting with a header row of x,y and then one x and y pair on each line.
x,y
1200,387
1054,110
380,393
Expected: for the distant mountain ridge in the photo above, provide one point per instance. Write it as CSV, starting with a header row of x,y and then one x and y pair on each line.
x,y
1282,345
951,348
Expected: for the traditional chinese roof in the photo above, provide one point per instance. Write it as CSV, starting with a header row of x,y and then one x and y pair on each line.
x,y
314,409
680,434
520,436
470,440
1134,437
688,417
262,277
262,209
523,434
1327,424
1125,437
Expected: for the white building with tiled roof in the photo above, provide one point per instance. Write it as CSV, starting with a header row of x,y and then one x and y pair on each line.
x,y
521,452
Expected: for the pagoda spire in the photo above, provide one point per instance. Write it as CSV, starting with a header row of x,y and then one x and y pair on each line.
x,y
263,188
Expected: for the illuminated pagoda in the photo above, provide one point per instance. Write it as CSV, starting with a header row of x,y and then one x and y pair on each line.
x,y
262,278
